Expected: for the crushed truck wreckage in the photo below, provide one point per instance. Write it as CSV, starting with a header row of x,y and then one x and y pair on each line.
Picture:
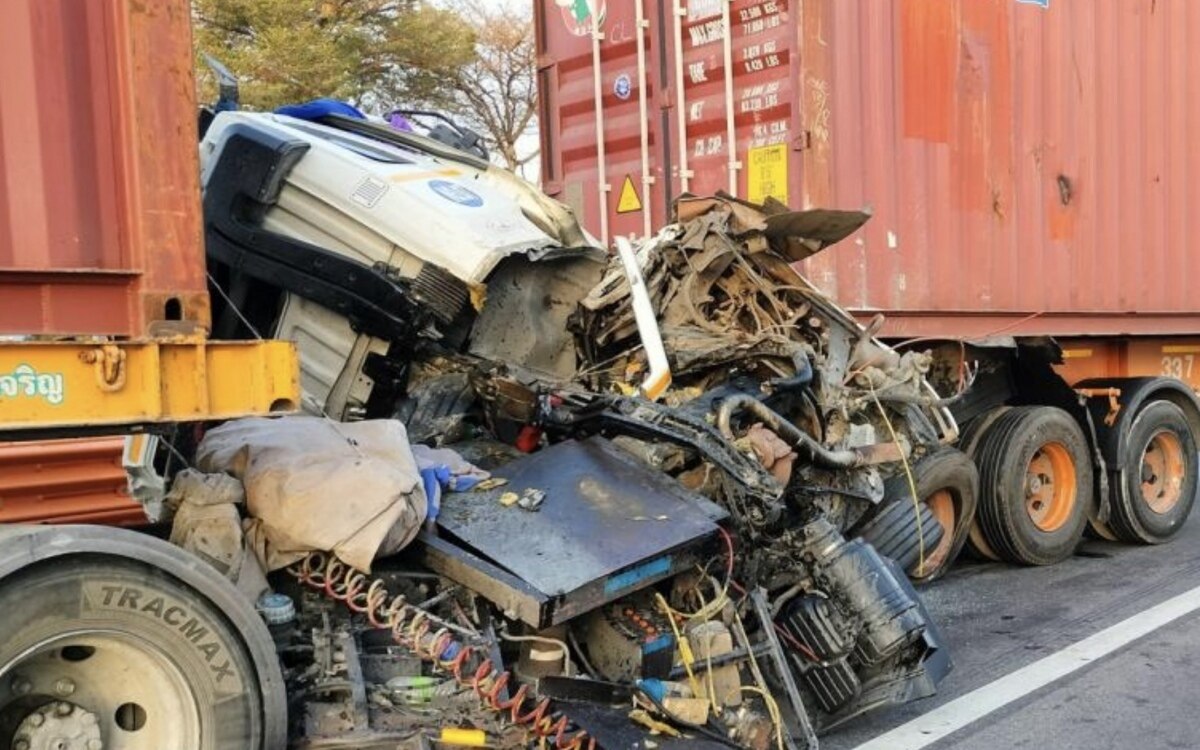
x,y
699,519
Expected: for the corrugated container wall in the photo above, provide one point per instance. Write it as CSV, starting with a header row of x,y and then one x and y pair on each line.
x,y
100,227
1029,162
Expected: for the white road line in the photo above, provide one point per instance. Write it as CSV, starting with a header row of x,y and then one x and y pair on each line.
x,y
958,713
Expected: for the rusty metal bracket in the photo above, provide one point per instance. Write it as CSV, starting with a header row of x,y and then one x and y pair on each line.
x,y
1114,405
108,361
882,453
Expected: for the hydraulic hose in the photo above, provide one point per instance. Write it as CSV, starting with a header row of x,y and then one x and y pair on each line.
x,y
793,435
432,639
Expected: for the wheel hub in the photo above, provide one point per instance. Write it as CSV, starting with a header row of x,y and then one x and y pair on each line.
x,y
97,690
1050,487
59,725
1163,472
1035,485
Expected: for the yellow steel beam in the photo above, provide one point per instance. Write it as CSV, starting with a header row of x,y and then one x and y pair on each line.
x,y
59,385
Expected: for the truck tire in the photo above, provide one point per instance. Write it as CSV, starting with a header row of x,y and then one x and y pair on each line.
x,y
1158,476
110,652
1035,485
947,484
968,442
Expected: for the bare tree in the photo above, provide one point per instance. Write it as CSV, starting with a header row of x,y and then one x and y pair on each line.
x,y
497,93
474,59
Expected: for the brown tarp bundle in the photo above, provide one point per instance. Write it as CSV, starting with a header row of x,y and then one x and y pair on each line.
x,y
315,484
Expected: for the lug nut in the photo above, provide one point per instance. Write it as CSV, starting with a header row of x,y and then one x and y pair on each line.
x,y
95,743
63,708
21,744
36,719
21,686
64,687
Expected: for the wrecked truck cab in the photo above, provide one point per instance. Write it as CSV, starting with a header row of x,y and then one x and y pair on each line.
x,y
424,285
357,244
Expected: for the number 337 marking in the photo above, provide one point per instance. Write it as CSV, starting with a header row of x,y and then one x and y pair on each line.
x,y
1178,367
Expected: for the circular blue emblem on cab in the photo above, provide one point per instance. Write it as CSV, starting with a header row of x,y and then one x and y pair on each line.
x,y
456,193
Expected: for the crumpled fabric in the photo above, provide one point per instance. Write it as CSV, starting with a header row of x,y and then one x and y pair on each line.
x,y
207,523
443,468
315,109
399,122
314,484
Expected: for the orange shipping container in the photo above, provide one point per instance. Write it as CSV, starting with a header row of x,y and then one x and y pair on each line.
x,y
1029,162
100,226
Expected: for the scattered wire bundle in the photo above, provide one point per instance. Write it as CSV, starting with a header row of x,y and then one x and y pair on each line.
x,y
435,640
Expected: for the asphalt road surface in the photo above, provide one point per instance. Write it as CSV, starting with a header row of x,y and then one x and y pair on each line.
x,y
1102,651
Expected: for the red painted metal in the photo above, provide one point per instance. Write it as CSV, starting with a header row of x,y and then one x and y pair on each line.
x,y
66,481
1028,163
100,229
569,153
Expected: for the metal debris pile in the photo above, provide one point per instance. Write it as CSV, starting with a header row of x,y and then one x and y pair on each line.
x,y
714,594
724,295
690,452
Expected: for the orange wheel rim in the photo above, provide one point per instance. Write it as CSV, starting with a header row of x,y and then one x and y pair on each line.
x,y
1163,471
941,505
1050,488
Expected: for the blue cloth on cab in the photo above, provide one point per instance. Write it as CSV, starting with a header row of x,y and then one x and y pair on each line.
x,y
318,108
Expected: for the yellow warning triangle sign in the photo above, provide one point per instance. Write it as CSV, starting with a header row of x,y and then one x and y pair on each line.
x,y
629,201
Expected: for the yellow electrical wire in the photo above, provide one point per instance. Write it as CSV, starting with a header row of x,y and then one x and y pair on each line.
x,y
685,648
912,484
706,611
772,706
712,685
772,710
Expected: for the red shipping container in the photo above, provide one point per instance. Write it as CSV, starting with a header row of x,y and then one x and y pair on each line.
x,y
100,225
1028,162
66,481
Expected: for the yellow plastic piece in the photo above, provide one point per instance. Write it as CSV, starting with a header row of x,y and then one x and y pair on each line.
x,y
643,717
463,737
656,385
100,384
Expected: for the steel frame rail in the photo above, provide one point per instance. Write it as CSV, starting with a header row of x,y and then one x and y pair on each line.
x,y
97,386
